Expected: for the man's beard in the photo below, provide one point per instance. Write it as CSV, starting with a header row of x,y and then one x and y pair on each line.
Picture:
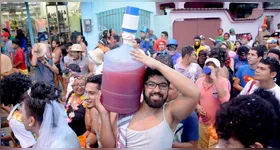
x,y
157,104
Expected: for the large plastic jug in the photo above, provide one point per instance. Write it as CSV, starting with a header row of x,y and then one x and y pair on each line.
x,y
122,79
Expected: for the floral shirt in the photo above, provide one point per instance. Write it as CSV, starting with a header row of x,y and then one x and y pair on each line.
x,y
193,71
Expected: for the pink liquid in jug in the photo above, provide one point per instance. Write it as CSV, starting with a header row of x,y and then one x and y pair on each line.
x,y
126,87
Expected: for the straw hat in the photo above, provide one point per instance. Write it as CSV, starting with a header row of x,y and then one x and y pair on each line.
x,y
76,48
40,49
97,56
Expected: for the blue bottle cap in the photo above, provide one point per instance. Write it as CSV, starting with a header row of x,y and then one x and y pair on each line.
x,y
207,70
132,11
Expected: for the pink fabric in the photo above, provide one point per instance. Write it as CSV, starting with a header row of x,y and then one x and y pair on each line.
x,y
231,54
209,99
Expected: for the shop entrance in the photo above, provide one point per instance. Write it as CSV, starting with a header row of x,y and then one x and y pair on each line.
x,y
49,20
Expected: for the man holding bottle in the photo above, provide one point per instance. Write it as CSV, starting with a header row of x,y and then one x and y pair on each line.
x,y
154,123
214,91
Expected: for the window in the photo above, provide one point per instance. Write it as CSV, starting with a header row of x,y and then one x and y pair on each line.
x,y
203,5
165,6
242,10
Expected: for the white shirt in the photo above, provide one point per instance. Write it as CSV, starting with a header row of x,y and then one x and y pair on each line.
x,y
232,38
98,69
275,90
25,137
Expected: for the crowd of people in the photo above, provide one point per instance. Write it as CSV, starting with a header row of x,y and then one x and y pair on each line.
x,y
201,96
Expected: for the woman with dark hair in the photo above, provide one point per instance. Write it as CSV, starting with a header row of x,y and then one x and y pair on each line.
x,y
23,45
13,86
46,118
82,41
237,44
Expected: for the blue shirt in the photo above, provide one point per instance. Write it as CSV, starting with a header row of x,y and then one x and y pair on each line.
x,y
144,45
44,73
187,130
245,74
23,44
175,57
238,62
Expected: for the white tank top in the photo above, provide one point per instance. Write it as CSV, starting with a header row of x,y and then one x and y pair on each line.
x,y
160,136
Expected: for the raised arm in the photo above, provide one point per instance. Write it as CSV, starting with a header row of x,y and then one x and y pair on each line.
x,y
184,105
107,136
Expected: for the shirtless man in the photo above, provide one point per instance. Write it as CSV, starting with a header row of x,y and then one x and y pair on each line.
x,y
154,124
92,118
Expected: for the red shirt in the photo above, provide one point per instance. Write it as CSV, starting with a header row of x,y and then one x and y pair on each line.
x,y
20,57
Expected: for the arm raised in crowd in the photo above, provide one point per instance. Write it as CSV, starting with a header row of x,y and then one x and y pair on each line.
x,y
190,92
107,133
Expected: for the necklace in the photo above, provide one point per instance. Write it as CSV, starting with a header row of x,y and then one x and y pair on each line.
x,y
74,101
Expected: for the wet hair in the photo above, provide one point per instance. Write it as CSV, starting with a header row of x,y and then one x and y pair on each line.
x,y
41,94
220,54
188,50
165,59
275,51
260,50
13,87
165,33
272,62
16,41
97,79
247,118
242,49
137,40
150,73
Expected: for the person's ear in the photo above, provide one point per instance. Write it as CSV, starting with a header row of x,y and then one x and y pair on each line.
x,y
256,145
31,121
273,74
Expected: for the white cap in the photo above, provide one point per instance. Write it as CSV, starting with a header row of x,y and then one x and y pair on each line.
x,y
213,60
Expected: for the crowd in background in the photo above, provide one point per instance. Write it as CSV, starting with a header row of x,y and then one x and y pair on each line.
x,y
232,89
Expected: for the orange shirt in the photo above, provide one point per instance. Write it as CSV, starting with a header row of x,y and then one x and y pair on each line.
x,y
209,99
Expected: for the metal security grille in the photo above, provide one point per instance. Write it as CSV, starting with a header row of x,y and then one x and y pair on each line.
x,y
113,19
